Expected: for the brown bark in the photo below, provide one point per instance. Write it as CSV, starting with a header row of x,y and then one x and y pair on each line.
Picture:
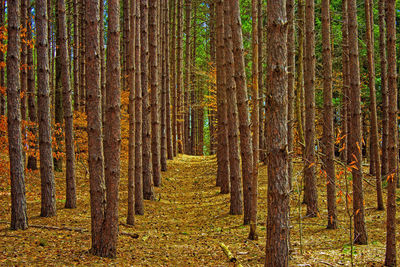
x,y
70,199
384,87
138,118
291,80
374,119
48,194
131,108
345,112
254,119
153,71
112,136
328,132
222,145
390,256
164,84
194,89
76,56
360,233
277,247
148,191
188,9
94,126
310,186
23,62
82,62
19,218
102,65
179,72
261,89
173,77
168,70
236,201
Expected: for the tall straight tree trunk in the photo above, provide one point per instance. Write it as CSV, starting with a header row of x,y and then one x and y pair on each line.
x,y
155,124
94,125
236,201
261,89
168,62
173,77
328,132
300,74
291,54
70,199
76,56
255,120
102,65
243,107
112,136
138,118
19,218
125,44
277,247
179,71
390,256
384,87
188,9
148,191
194,87
345,112
222,144
310,186
374,120
211,92
164,84
48,192
131,146
360,233
82,62
31,89
23,72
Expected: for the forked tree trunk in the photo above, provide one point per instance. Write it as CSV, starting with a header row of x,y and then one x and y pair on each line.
x,y
19,218
360,233
236,202
48,192
70,198
277,245
390,256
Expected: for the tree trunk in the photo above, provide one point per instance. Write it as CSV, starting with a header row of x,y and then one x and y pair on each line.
x,y
374,119
173,77
155,124
222,145
360,233
112,136
82,62
138,118
19,218
345,116
255,120
179,70
76,56
148,191
310,186
94,126
23,71
102,65
2,72
48,193
168,62
188,7
164,84
328,132
277,247
236,201
70,199
131,146
384,87
390,256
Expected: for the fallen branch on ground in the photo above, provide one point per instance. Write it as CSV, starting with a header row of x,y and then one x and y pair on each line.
x,y
230,255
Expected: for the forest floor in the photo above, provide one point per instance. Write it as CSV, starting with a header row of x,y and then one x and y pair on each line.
x,y
185,225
